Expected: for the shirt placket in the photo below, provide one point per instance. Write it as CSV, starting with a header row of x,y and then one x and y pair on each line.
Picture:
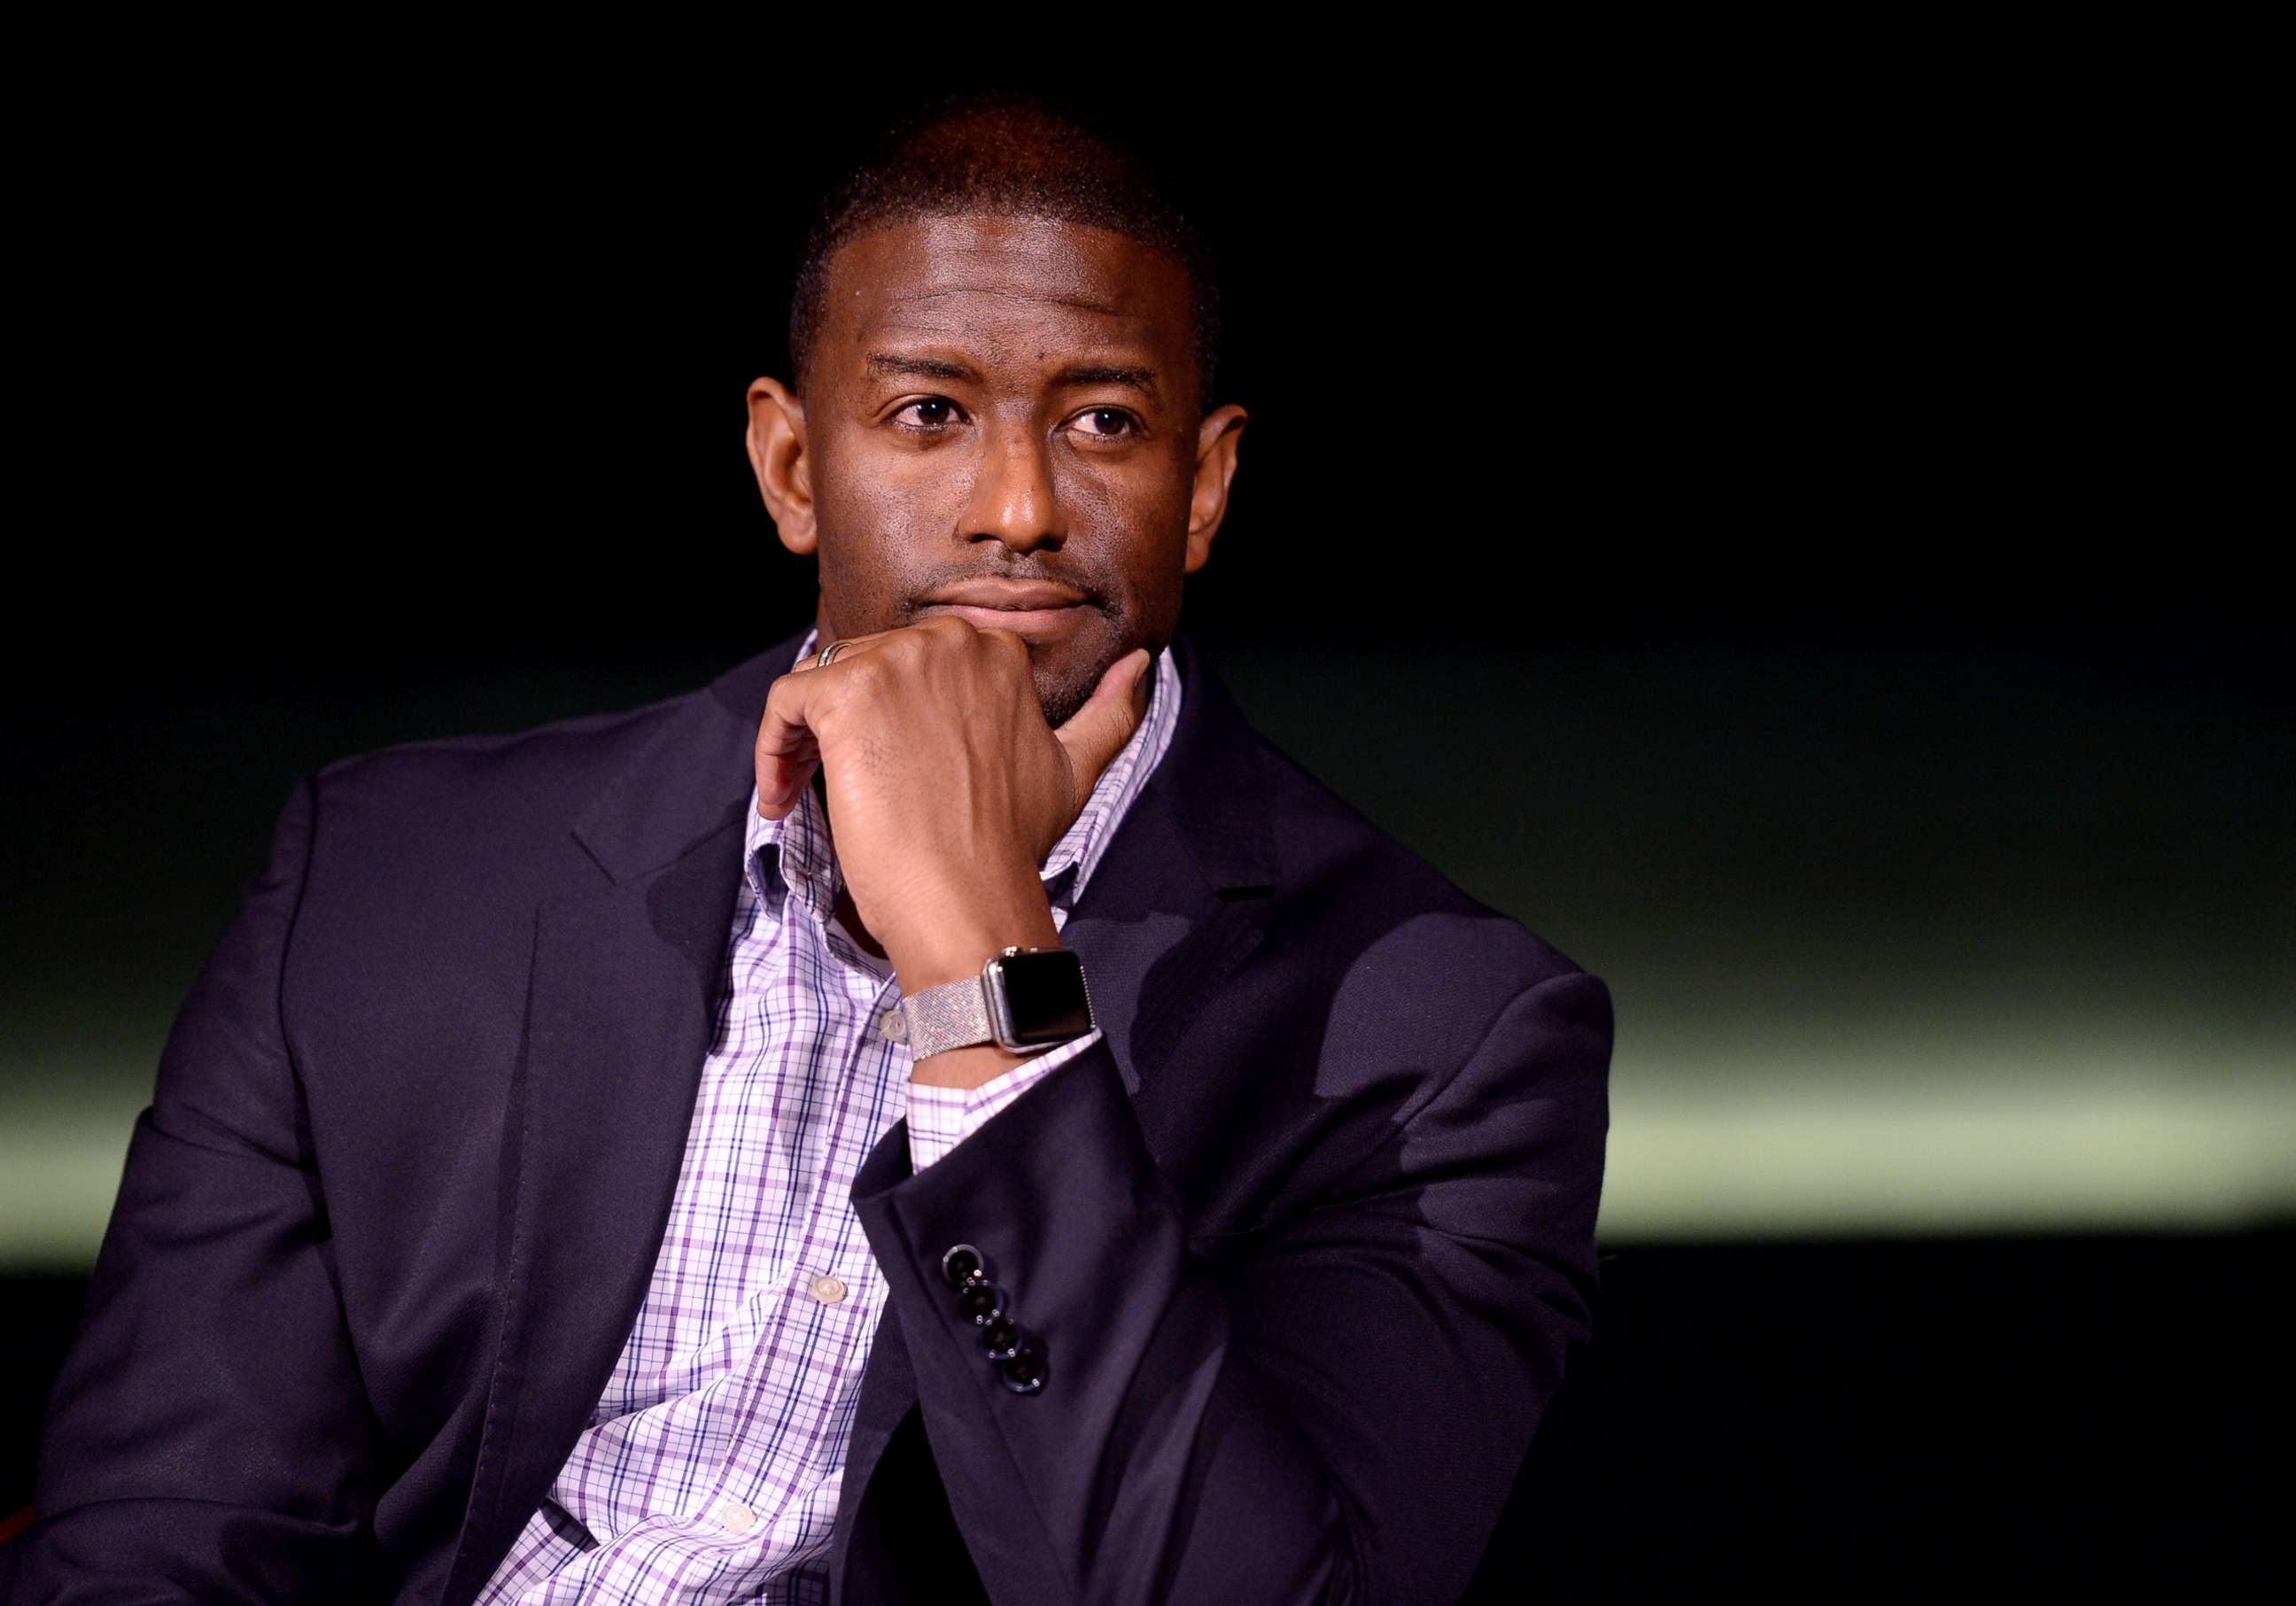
x,y
808,1353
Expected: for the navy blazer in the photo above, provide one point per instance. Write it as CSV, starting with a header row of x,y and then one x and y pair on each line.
x,y
1305,1242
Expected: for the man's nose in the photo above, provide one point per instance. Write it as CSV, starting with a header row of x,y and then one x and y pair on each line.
x,y
1013,499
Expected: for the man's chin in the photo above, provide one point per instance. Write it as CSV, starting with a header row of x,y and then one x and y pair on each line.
x,y
1069,671
1062,690
1061,704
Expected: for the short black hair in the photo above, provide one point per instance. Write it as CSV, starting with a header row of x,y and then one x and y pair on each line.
x,y
1016,153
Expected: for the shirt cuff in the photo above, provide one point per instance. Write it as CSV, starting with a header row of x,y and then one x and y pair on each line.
x,y
941,1118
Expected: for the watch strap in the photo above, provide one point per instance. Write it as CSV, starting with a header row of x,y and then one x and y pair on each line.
x,y
952,1015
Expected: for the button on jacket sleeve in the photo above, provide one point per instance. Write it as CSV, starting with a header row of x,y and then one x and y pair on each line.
x,y
1329,1409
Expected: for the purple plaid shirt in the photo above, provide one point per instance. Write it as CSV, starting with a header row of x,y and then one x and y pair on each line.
x,y
711,1467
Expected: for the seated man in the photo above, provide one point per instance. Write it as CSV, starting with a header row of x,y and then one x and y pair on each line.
x,y
946,1111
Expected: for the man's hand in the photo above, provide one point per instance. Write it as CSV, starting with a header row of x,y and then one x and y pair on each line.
x,y
947,788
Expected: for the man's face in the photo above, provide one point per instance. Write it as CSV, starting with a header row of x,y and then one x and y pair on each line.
x,y
992,401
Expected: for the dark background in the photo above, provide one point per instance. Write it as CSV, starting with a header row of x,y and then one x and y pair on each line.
x,y
1801,549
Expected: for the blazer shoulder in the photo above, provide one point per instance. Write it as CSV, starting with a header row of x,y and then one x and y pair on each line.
x,y
1351,878
494,792
435,854
536,760
428,859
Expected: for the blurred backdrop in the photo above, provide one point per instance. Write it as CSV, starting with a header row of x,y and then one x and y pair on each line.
x,y
1791,551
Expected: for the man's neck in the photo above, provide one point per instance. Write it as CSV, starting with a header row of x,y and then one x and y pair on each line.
x,y
851,917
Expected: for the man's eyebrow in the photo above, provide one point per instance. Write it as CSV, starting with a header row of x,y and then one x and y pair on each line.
x,y
882,365
1107,373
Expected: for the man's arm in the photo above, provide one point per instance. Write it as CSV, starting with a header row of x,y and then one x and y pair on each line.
x,y
1331,1410
209,1438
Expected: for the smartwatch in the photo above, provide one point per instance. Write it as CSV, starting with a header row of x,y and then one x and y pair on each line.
x,y
1024,1000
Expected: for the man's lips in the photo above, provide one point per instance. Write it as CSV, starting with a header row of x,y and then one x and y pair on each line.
x,y
1039,609
988,592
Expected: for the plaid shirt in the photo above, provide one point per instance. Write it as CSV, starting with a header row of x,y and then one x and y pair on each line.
x,y
711,1467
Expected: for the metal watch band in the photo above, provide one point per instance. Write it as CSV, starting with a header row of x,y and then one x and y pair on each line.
x,y
952,1015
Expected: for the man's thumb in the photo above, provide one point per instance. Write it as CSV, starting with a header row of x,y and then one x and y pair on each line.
x,y
1097,732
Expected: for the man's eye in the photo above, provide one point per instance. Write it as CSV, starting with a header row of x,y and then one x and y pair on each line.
x,y
1109,423
933,412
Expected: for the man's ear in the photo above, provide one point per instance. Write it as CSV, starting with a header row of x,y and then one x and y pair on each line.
x,y
778,456
1216,442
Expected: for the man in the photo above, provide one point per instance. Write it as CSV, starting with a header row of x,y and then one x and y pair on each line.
x,y
944,1113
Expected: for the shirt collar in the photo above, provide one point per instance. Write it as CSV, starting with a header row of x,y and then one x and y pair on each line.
x,y
795,851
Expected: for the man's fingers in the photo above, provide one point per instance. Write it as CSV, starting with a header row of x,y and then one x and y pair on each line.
x,y
1097,732
846,647
787,752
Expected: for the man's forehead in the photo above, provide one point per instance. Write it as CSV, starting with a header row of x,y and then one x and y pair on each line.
x,y
955,275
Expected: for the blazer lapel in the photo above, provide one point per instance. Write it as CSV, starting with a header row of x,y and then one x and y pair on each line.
x,y
1176,905
627,977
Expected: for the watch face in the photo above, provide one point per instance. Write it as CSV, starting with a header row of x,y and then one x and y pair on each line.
x,y
1041,997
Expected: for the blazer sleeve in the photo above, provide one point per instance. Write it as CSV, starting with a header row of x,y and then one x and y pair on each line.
x,y
208,1438
1332,1409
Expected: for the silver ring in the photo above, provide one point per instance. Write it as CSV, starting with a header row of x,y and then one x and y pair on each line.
x,y
828,655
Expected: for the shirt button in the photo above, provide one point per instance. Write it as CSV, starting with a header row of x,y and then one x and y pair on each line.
x,y
737,1517
893,1026
828,1289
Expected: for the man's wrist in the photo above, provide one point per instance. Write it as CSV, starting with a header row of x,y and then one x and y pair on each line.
x,y
955,947
967,1067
